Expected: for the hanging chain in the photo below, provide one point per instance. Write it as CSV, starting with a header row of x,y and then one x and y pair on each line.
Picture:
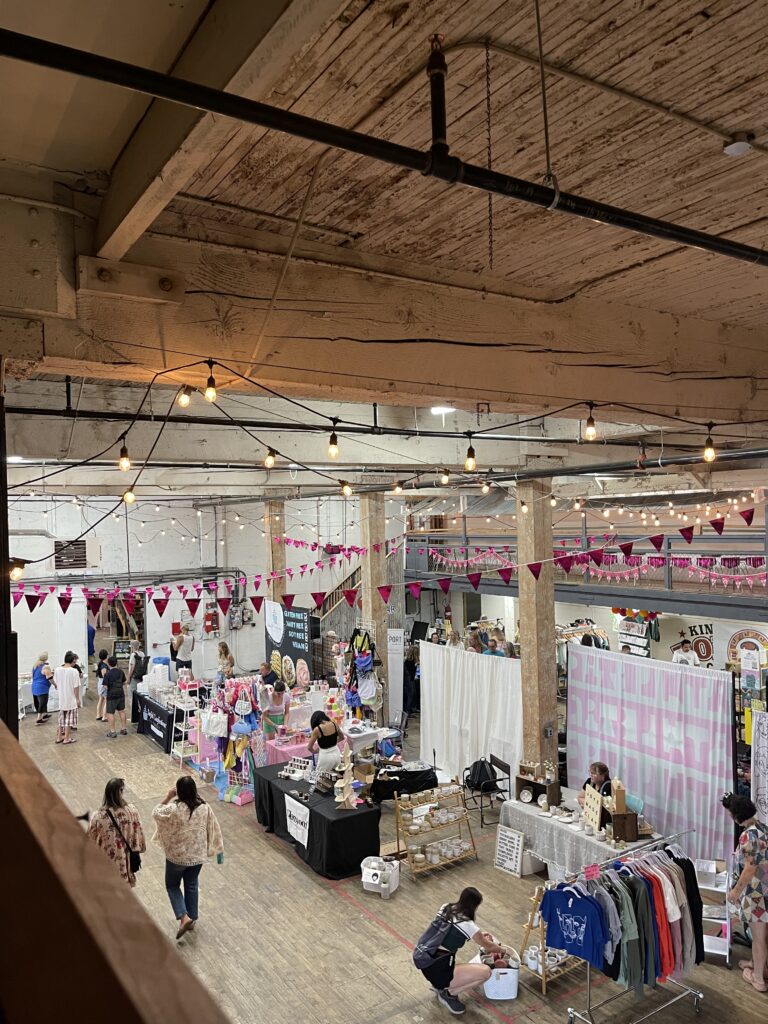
x,y
549,176
489,147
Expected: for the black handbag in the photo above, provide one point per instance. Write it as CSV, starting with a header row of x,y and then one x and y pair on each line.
x,y
134,857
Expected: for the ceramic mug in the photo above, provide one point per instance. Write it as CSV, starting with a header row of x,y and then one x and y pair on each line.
x,y
589,830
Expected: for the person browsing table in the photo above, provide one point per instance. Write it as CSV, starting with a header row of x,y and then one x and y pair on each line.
x,y
325,738
276,709
184,644
115,683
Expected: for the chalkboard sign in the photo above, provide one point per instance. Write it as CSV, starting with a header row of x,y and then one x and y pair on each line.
x,y
289,633
509,850
122,649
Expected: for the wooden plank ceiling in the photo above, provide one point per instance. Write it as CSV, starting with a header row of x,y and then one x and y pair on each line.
x,y
708,60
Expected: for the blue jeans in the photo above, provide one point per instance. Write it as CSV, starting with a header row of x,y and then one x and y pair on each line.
x,y
175,874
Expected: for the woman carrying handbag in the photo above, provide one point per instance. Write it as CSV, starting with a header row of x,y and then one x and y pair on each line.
x,y
116,828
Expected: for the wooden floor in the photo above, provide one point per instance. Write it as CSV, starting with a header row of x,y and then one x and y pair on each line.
x,y
277,942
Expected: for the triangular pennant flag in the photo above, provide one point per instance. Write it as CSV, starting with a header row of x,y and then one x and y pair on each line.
x,y
535,568
747,514
288,600
318,598
94,604
350,596
161,603
506,574
657,540
129,603
626,548
565,562
43,597
474,578
415,589
192,603
224,603
17,596
64,602
718,525
596,556
686,532
444,583
33,600
384,592
257,602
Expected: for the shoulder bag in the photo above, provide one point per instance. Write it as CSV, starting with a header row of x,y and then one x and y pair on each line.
x,y
134,857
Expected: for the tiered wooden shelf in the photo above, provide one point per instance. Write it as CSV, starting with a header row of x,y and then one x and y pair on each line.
x,y
460,828
536,923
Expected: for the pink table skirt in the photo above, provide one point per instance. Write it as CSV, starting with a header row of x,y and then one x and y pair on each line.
x,y
279,753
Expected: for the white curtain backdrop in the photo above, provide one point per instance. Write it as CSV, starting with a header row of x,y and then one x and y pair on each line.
x,y
760,763
665,731
471,706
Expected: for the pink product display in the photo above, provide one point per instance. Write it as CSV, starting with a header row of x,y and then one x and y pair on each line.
x,y
207,747
277,753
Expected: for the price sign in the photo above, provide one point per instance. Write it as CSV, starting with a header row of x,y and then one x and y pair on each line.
x,y
591,872
509,850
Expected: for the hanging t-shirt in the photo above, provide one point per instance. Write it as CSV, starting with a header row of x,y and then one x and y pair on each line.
x,y
576,924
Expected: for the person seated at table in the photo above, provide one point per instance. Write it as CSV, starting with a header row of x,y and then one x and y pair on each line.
x,y
276,709
599,778
325,738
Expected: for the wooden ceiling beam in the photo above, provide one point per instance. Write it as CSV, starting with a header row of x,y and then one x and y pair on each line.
x,y
240,46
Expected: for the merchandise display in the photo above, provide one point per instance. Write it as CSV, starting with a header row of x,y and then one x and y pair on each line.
x,y
433,828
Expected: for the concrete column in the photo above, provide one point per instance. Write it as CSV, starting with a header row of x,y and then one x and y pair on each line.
x,y
537,622
374,574
274,526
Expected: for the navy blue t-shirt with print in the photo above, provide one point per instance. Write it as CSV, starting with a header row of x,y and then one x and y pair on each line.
x,y
576,924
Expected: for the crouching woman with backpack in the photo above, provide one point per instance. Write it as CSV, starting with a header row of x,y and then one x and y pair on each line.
x,y
435,952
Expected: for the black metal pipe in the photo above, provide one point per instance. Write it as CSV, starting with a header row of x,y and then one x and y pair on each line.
x,y
437,70
437,164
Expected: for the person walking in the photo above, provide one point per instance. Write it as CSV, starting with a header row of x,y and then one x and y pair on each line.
x,y
42,676
116,828
66,679
101,691
435,952
749,886
115,683
188,832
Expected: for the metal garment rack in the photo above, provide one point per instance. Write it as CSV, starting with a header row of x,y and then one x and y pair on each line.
x,y
585,1015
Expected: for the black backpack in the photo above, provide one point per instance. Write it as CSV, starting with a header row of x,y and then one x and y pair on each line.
x,y
140,666
425,950
481,776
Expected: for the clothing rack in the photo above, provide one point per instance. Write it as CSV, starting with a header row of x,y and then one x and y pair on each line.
x,y
585,1015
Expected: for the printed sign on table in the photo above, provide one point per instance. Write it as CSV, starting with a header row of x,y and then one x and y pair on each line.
x,y
509,850
297,819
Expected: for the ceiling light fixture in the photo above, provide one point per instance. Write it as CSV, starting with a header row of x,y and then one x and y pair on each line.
x,y
740,144
486,487
346,488
124,462
441,410
333,441
553,501
269,459
129,497
445,477
523,507
210,387
184,397
590,430
399,487
709,454
470,462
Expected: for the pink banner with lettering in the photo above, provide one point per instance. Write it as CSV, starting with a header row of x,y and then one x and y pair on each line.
x,y
665,731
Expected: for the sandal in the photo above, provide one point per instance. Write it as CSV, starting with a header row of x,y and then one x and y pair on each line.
x,y
123,732
39,722
58,741
68,741
749,976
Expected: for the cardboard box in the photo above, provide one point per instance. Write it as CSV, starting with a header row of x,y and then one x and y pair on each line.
x,y
364,773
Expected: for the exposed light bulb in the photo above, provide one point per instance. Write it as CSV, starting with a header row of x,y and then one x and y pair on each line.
x,y
157,508
590,430
199,513
523,507
488,519
399,487
210,387
656,522
142,524
621,510
16,573
333,445
269,459
486,487
685,517
553,501
242,526
576,505
129,497
611,526
445,477
709,454
184,397
346,489
173,522
606,512
470,462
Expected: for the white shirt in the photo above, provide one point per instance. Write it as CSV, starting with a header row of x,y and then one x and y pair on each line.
x,y
67,680
184,652
686,658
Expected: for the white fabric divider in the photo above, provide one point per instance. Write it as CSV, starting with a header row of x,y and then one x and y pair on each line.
x,y
760,764
665,731
471,706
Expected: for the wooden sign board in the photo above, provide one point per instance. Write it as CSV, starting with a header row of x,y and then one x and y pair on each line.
x,y
619,795
593,807
509,851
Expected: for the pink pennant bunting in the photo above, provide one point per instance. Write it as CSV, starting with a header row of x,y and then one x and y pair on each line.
x,y
43,597
192,603
350,596
288,600
596,555
228,584
318,597
94,604
32,601
505,573
415,590
129,603
718,525
161,603
64,602
474,578
686,532
535,568
747,514
384,592
17,596
198,588
626,548
657,540
256,582
257,602
564,562
444,583
224,603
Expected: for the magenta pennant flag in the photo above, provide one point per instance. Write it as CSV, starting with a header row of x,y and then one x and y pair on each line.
x,y
444,583
65,600
686,532
718,525
192,603
224,603
288,600
350,596
747,514
415,590
506,574
228,584
384,592
33,600
161,603
129,603
256,582
257,602
535,568
565,562
17,596
198,588
474,578
596,556
43,597
318,597
657,540
626,549
94,604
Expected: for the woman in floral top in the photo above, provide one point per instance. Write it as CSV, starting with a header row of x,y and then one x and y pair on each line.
x,y
103,832
749,887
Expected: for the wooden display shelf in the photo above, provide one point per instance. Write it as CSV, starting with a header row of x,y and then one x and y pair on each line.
x,y
461,828
551,789
536,923
464,855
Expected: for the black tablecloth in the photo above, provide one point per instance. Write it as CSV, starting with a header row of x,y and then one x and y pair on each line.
x,y
385,786
337,840
153,720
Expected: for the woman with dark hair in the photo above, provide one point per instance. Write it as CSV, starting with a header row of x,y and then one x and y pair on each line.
x,y
455,923
116,828
325,738
277,706
749,886
101,670
188,832
410,666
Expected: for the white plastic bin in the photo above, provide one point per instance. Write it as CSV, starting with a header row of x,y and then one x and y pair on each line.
x,y
374,869
504,981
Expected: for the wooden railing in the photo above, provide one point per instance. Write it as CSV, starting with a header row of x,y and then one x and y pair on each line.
x,y
64,906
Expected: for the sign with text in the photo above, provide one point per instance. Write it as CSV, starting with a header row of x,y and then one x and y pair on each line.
x,y
289,636
297,819
509,850
593,807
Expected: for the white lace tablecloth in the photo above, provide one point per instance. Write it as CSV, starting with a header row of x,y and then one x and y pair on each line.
x,y
558,845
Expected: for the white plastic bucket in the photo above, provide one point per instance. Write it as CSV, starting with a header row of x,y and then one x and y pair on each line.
x,y
503,982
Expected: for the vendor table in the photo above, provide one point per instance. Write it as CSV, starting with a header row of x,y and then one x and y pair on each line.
x,y
154,720
278,753
337,841
367,738
562,848
389,783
